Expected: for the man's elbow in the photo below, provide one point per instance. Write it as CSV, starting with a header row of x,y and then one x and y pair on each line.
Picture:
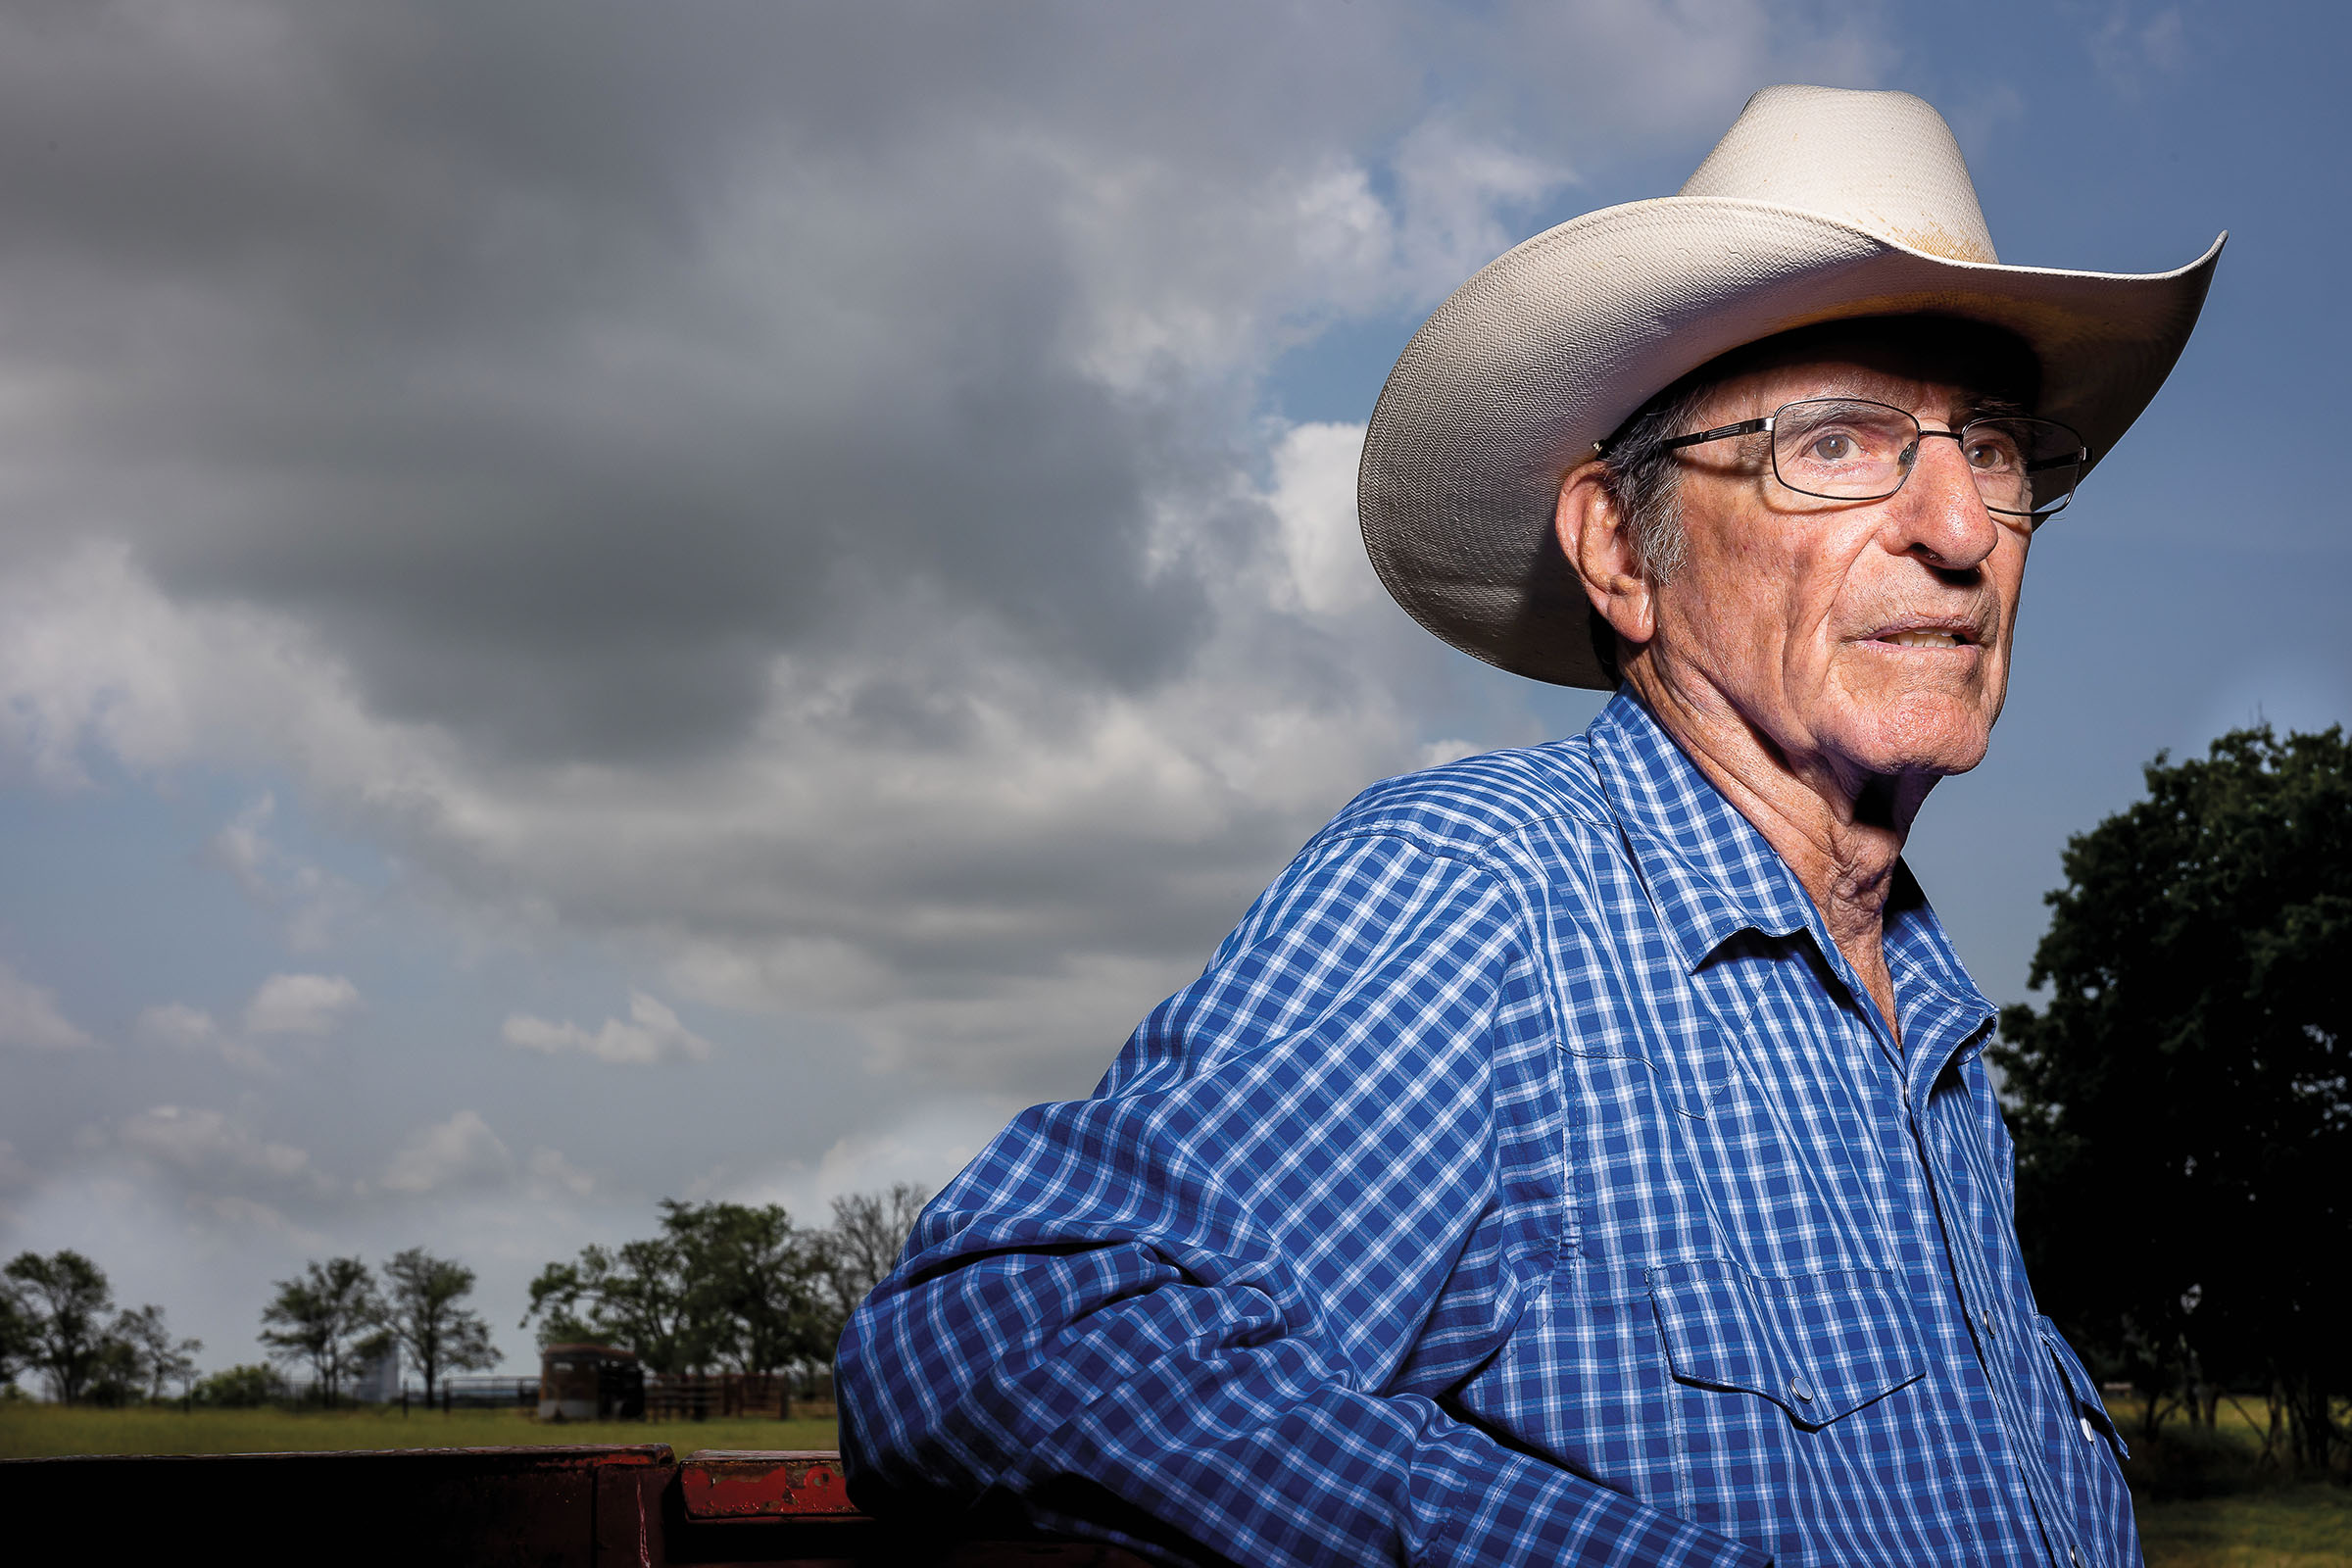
x,y
907,1436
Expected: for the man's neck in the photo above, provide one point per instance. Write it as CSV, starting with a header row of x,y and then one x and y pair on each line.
x,y
1839,834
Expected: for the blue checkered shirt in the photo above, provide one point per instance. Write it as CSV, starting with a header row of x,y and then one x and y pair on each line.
x,y
1526,1180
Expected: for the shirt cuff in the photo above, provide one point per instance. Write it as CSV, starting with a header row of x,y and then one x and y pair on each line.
x,y
1532,1514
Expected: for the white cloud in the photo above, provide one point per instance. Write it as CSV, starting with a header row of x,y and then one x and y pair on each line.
x,y
240,848
208,1144
186,1028
652,1034
1454,190
29,1016
1313,501
462,1152
551,1175
176,1023
2129,53
926,1145
241,1213
306,896
300,1004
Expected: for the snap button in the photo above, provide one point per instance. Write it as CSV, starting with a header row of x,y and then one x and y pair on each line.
x,y
2089,1433
1802,1389
2075,1553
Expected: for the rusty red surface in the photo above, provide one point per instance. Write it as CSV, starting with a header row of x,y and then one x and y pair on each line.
x,y
763,1483
585,1506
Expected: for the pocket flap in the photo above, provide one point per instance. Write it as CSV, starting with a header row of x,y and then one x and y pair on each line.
x,y
1820,1347
2079,1383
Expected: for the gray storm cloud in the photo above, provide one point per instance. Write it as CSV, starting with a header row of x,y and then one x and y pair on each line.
x,y
778,507
783,486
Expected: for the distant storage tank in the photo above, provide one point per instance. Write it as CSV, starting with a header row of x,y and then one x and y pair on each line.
x,y
590,1383
378,1382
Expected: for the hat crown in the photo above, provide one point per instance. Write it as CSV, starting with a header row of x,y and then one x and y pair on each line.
x,y
1882,162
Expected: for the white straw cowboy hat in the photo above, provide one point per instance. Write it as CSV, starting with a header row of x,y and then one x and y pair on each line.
x,y
1818,204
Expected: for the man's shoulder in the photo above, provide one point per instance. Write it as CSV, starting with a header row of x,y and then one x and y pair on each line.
x,y
1467,807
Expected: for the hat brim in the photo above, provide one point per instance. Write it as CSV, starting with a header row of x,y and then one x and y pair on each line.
x,y
1551,346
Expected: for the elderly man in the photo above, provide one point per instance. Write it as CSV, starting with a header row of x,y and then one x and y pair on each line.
x,y
1583,1154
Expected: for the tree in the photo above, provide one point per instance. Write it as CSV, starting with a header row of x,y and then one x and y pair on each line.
x,y
636,1296
115,1376
422,1311
241,1387
725,1284
753,1282
155,1358
63,1300
869,1229
323,1318
2183,1126
15,1333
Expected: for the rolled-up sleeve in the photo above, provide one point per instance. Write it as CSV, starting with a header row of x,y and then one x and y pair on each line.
x,y
1214,1311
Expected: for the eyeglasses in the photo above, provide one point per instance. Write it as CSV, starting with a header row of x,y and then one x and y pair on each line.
x,y
1850,449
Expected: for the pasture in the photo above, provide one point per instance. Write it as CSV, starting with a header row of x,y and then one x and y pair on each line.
x,y
2205,1502
28,1429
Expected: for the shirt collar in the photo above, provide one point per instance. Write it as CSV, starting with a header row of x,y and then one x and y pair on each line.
x,y
1708,870
1945,1015
1711,875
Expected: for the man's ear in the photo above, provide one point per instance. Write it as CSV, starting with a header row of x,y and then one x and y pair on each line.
x,y
1597,543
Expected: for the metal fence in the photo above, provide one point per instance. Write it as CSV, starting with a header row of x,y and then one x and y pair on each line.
x,y
475,1393
705,1397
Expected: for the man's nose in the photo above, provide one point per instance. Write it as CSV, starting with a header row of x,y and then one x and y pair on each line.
x,y
1946,521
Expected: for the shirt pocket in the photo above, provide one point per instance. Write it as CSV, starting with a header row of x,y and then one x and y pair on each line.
x,y
2089,1408
1817,1347
2087,1459
1765,1377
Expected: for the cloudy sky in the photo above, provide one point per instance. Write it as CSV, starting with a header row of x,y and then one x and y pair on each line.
x,y
600,602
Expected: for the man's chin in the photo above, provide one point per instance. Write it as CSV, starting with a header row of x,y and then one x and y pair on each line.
x,y
1921,761
1920,738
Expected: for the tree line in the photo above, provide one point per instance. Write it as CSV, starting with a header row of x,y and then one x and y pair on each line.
x,y
722,1287
58,1317
2180,1105
337,1317
727,1286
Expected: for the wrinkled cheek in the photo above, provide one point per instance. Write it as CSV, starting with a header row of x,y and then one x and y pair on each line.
x,y
1994,682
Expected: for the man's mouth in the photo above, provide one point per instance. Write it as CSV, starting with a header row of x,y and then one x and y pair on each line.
x,y
1922,639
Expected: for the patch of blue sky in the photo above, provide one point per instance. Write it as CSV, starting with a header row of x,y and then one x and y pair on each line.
x,y
123,895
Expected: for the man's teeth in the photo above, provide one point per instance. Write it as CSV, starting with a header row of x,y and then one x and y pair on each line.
x,y
1921,639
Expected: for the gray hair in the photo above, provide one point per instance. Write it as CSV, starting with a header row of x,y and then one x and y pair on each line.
x,y
1643,479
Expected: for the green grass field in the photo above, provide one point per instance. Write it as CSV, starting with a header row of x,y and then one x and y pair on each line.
x,y
28,1429
2204,1503
2231,1517
2305,1526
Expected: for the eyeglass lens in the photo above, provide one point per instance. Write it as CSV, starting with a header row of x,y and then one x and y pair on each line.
x,y
1850,449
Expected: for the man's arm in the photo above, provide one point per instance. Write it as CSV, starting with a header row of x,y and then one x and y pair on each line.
x,y
1211,1310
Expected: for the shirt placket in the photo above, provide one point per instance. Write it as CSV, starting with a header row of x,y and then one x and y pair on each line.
x,y
2006,1341
1986,1350
1951,1266
1943,1129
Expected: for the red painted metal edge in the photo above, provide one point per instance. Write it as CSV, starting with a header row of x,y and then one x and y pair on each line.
x,y
581,1506
763,1483
576,1456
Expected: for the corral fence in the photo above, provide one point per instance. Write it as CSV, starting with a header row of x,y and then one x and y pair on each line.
x,y
720,1395
669,1396
452,1393
486,1393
